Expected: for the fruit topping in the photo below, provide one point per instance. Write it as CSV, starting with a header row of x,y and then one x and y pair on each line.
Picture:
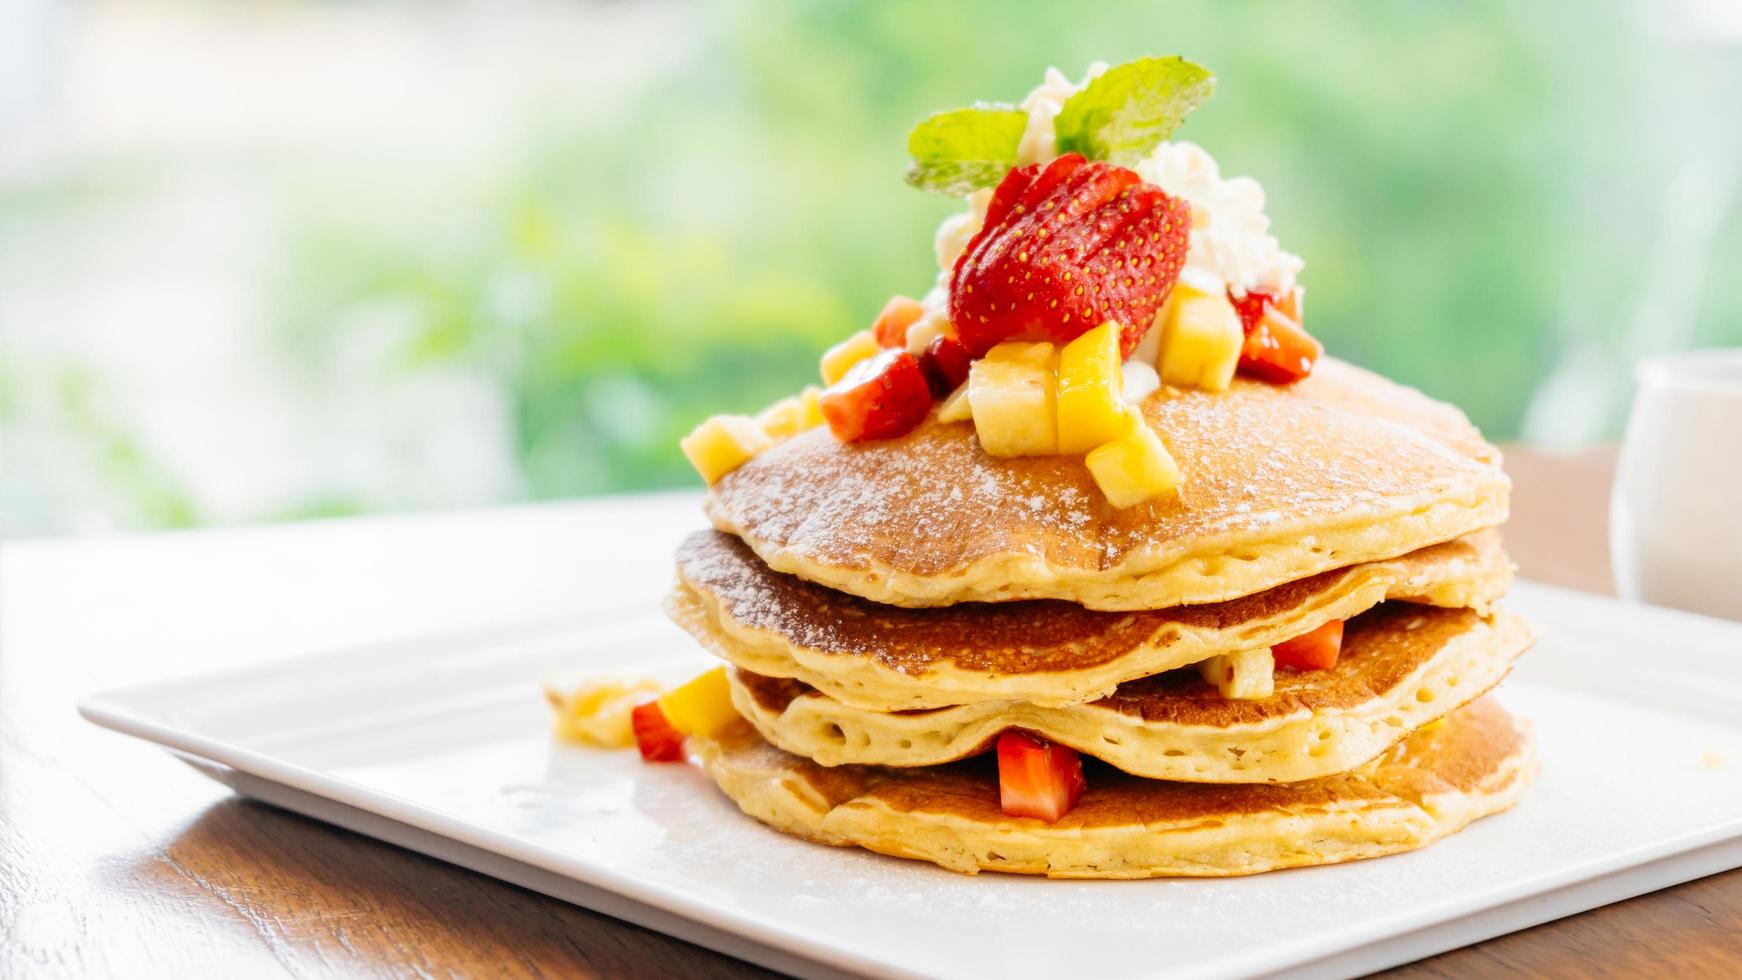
x,y
657,739
1278,349
724,443
1201,340
957,407
1037,778
890,327
1317,650
1243,676
1090,409
701,706
839,359
1251,306
1038,353
597,712
1065,248
790,416
945,363
880,397
1012,393
1134,467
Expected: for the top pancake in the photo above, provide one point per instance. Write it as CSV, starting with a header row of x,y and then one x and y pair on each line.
x,y
1279,483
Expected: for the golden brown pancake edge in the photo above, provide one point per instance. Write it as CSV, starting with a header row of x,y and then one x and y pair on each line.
x,y
1429,785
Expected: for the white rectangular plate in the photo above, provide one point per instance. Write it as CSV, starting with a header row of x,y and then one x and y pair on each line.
x,y
442,746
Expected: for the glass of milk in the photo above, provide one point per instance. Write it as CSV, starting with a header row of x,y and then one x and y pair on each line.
x,y
1676,515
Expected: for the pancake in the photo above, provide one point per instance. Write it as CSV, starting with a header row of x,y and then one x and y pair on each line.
x,y
1047,652
1280,483
1402,667
1429,785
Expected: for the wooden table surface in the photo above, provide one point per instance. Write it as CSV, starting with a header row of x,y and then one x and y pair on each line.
x,y
116,860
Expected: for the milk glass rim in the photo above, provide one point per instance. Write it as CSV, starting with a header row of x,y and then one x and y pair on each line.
x,y
1714,370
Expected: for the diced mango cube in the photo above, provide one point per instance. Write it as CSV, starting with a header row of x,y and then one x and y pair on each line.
x,y
701,706
1244,676
1089,385
1038,353
724,443
1134,467
1200,340
813,413
783,419
839,359
956,408
790,416
597,712
1014,405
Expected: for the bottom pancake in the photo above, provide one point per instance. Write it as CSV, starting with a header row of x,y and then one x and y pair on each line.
x,y
1477,762
1402,666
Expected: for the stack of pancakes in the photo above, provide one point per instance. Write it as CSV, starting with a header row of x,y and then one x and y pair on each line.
x,y
890,608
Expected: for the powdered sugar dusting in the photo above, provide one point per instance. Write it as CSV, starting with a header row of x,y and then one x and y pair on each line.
x,y
1261,463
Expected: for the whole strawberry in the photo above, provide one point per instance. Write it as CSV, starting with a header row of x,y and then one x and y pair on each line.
x,y
1064,249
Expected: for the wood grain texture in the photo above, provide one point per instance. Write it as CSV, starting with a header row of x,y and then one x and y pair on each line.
x,y
115,860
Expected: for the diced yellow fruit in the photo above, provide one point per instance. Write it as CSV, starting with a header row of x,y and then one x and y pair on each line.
x,y
597,712
1038,353
1014,405
702,706
1134,467
1090,409
956,408
724,443
1243,676
1200,340
783,419
1432,726
790,416
839,359
813,412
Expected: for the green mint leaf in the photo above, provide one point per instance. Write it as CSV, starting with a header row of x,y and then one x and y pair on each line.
x,y
961,151
1125,113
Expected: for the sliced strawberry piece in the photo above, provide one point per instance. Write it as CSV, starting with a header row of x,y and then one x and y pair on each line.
x,y
1004,197
1064,249
945,363
880,398
657,738
1037,778
1317,650
1251,308
890,327
1279,350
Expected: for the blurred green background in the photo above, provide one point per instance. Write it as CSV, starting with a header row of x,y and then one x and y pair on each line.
x,y
272,261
